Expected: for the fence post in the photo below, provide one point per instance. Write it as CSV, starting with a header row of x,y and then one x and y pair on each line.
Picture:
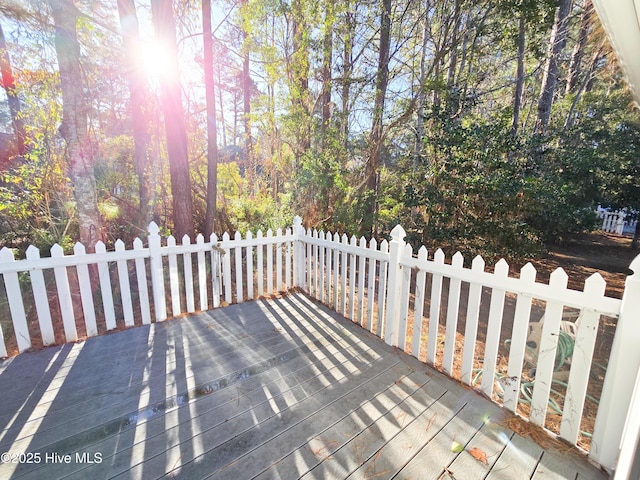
x,y
620,379
157,275
298,253
396,248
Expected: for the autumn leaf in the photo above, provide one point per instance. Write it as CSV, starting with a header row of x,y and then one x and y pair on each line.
x,y
478,455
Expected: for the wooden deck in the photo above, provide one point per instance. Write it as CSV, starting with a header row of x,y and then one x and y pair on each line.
x,y
268,389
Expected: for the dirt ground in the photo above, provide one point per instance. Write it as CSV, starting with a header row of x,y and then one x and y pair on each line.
x,y
606,253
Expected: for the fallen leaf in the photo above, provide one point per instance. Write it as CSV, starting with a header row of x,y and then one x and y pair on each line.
x,y
478,455
456,447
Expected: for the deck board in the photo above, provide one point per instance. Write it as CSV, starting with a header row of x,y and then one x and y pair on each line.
x,y
270,389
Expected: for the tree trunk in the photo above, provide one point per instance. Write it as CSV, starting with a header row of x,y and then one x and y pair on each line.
x,y
300,78
212,135
578,51
557,43
347,69
375,139
583,87
171,95
327,58
79,152
246,101
9,84
144,154
221,103
517,96
421,96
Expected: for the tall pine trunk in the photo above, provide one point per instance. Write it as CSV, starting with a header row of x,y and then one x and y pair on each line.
x,y
575,67
557,43
246,103
145,155
421,95
372,169
300,77
175,127
212,135
79,151
327,59
517,96
347,70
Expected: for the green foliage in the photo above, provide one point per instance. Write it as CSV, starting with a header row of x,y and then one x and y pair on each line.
x,y
329,192
116,185
35,206
471,194
241,212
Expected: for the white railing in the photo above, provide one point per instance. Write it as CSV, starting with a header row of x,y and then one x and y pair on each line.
x,y
618,221
52,298
472,323
420,305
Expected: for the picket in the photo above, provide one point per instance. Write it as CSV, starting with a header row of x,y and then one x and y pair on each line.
x,y
215,270
238,267
279,261
202,273
187,265
125,289
309,257
352,280
452,317
86,294
404,300
471,326
434,310
64,296
343,276
371,286
585,343
40,298
382,288
315,258
141,277
496,308
519,339
547,349
361,277
174,279
260,264
421,280
157,273
287,261
336,270
226,275
105,288
269,262
16,305
249,266
328,285
321,271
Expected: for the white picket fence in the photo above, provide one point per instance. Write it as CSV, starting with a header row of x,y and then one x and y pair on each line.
x,y
411,301
174,286
404,298
617,221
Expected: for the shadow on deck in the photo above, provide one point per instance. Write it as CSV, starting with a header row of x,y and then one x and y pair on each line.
x,y
267,389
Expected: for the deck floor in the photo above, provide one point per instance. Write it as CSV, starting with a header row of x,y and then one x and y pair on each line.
x,y
272,389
